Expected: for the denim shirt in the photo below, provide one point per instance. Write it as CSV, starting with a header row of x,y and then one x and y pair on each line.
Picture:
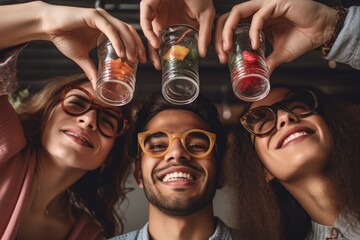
x,y
346,227
222,232
346,48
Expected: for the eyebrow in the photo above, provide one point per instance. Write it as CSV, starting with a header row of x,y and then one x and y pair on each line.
x,y
156,135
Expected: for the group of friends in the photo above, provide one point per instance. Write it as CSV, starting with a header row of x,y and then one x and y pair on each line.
x,y
292,161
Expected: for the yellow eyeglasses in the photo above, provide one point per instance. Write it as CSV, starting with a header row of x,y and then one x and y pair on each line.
x,y
156,143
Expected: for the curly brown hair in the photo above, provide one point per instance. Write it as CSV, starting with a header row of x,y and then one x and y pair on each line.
x,y
108,186
267,210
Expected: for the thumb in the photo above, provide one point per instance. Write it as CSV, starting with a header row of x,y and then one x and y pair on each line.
x,y
89,68
273,61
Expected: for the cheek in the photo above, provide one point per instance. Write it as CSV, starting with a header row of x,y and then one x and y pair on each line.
x,y
48,132
147,166
261,146
325,138
264,156
209,165
107,144
270,160
106,147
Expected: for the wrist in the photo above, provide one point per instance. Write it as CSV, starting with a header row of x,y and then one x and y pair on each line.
x,y
334,26
42,18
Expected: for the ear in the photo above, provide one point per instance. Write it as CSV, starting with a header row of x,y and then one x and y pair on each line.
x,y
137,173
268,175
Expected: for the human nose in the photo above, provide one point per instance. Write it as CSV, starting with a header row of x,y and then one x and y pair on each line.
x,y
177,152
284,118
88,120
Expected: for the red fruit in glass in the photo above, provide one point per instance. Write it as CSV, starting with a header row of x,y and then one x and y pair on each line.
x,y
250,85
249,56
250,79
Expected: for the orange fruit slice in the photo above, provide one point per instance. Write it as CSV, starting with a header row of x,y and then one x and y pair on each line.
x,y
177,52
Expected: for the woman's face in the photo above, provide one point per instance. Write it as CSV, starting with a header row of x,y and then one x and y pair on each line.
x,y
297,147
75,141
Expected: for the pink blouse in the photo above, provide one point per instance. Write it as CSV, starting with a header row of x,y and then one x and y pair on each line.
x,y
17,161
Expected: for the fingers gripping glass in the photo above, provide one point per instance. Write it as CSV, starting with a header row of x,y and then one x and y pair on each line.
x,y
156,143
261,121
77,101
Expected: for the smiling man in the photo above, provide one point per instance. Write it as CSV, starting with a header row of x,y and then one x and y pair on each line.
x,y
178,152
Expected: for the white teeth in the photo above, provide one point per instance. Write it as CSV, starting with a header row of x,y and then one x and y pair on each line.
x,y
77,136
292,137
178,176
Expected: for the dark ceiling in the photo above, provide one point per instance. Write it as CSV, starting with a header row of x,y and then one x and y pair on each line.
x,y
41,60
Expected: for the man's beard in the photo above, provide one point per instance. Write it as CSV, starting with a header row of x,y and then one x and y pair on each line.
x,y
181,206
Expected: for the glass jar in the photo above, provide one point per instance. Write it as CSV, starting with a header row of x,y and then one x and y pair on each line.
x,y
248,69
180,63
116,76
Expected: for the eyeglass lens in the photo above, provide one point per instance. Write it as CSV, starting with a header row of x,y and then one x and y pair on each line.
x,y
196,143
262,119
77,102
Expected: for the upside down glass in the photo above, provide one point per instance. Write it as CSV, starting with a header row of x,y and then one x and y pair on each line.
x,y
248,69
116,76
180,62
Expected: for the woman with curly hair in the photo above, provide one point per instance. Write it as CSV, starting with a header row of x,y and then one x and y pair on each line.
x,y
297,167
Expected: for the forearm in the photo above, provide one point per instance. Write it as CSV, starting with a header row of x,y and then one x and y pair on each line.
x,y
20,23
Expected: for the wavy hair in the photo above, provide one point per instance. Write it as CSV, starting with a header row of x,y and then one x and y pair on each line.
x,y
267,210
96,192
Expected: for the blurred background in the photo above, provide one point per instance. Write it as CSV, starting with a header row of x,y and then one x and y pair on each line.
x,y
40,60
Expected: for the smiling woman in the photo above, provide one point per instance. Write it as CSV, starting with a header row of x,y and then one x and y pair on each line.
x,y
296,159
65,151
63,158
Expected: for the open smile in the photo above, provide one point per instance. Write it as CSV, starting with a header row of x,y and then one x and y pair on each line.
x,y
79,138
179,175
293,135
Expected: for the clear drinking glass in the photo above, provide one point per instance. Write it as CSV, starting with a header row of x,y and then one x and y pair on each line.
x,y
180,64
249,72
116,76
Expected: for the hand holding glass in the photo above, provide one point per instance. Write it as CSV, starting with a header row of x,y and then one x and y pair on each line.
x,y
116,77
249,73
180,60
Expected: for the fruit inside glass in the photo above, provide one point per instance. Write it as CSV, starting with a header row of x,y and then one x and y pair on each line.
x,y
116,85
180,60
249,73
116,76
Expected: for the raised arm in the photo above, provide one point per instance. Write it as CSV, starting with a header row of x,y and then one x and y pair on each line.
x,y
293,27
73,30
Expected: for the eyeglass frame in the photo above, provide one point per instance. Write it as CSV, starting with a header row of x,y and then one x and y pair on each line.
x,y
94,106
274,108
172,137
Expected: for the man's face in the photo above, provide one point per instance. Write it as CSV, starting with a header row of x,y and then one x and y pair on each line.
x,y
178,183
